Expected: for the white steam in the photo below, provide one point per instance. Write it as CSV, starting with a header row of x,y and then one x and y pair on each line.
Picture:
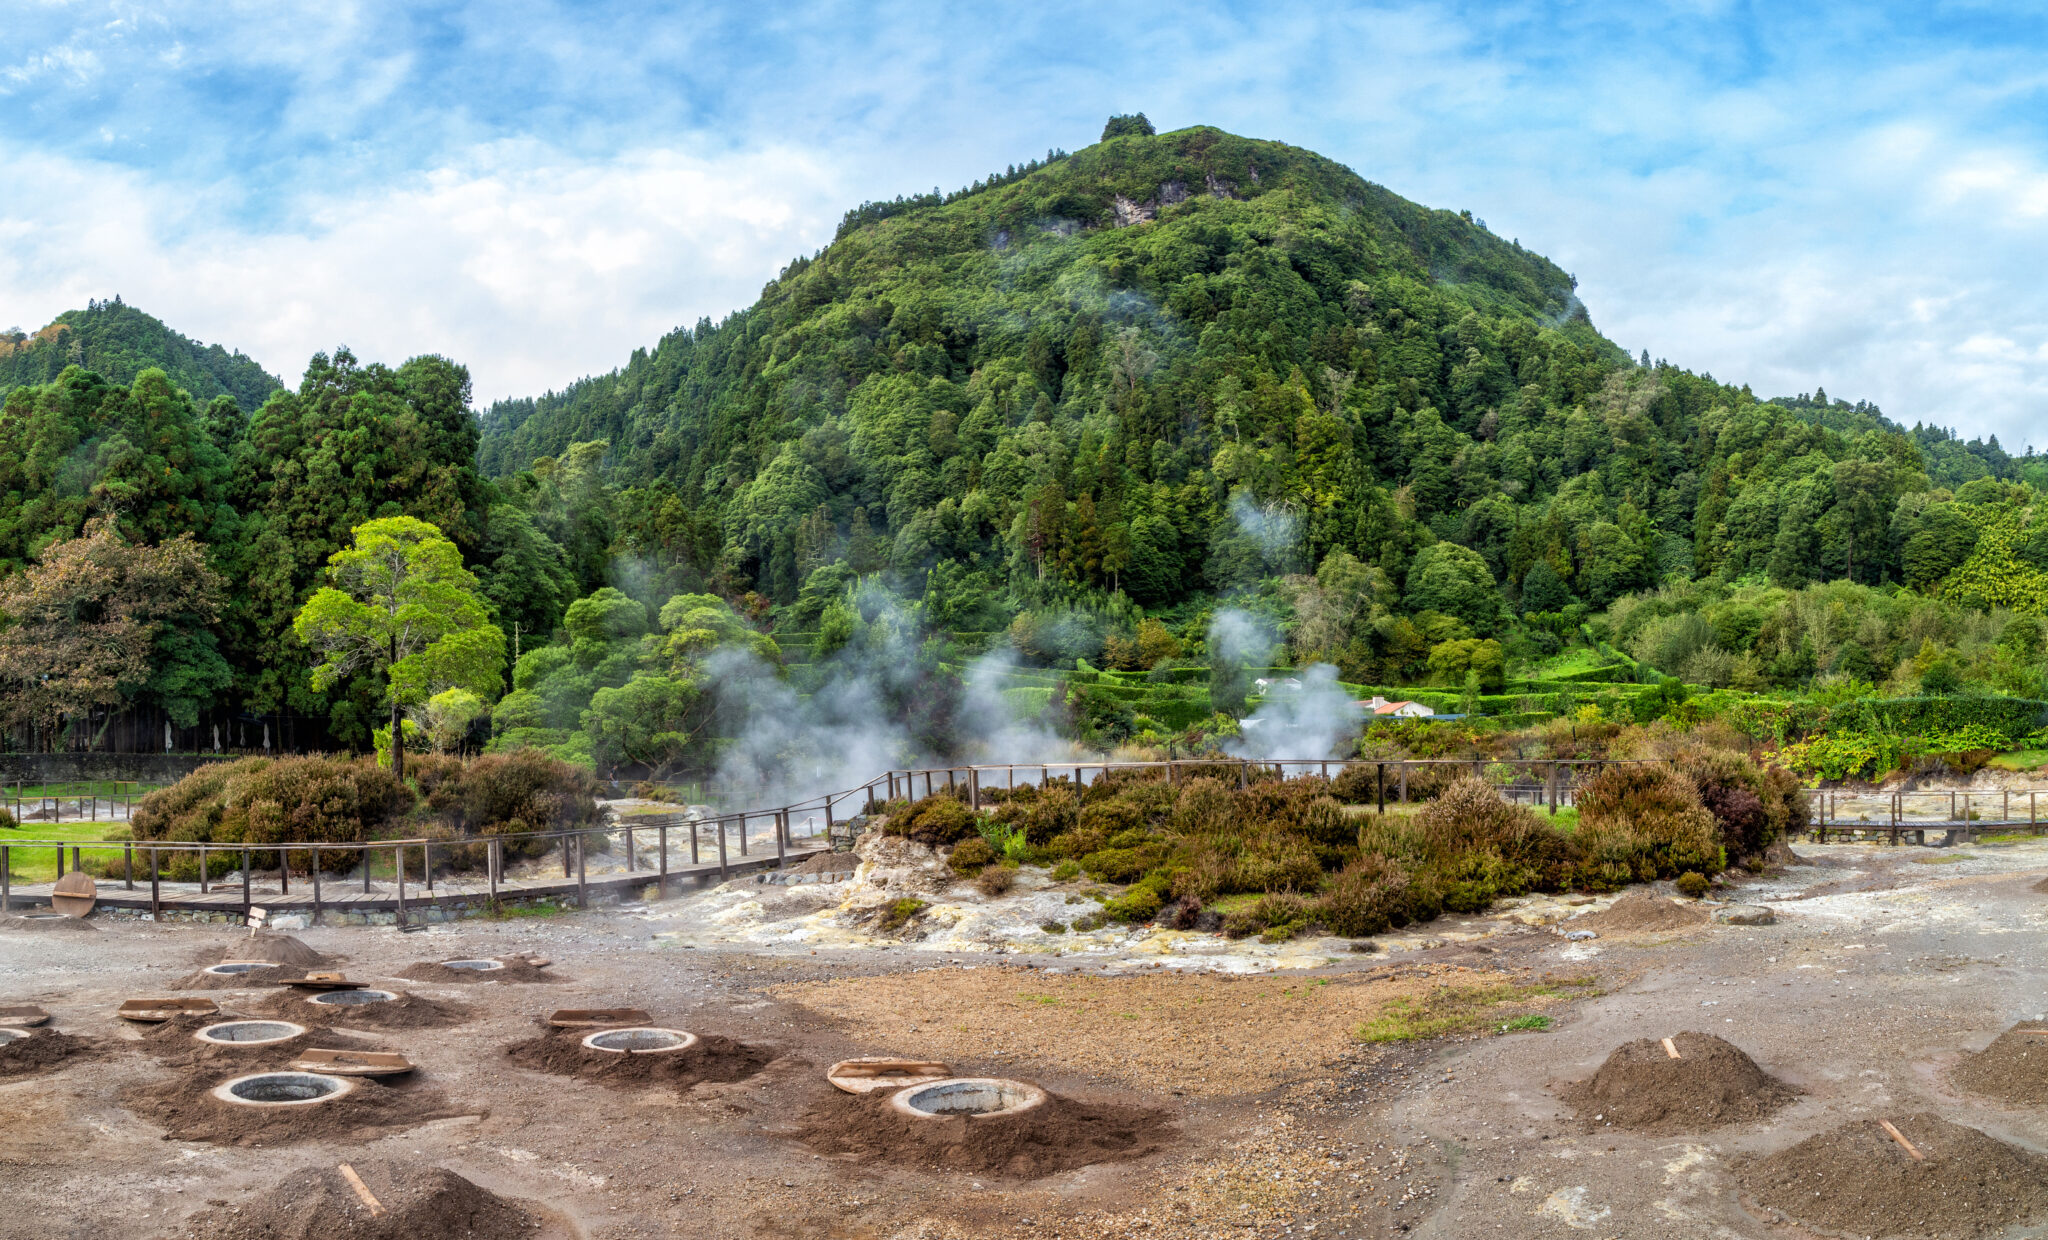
x,y
1314,719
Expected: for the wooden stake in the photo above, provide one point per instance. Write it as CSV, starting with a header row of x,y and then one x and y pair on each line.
x,y
1900,1137
1671,1050
362,1190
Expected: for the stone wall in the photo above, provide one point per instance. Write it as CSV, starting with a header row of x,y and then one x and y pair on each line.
x,y
58,768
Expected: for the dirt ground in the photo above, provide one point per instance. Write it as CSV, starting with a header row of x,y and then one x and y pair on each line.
x,y
1259,1111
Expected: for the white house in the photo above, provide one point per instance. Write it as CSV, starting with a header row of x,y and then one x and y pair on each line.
x,y
1381,708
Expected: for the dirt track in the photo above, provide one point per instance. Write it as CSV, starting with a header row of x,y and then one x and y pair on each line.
x,y
1879,976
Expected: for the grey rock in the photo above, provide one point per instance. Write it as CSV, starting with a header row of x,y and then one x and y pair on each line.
x,y
1745,915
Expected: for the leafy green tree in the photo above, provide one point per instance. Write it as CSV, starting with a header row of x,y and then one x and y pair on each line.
x,y
402,607
1124,125
1453,580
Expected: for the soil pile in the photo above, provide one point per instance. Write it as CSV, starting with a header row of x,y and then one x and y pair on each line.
x,y
46,922
1856,1179
713,1058
1056,1136
418,1202
2014,1068
293,960
1640,913
45,1050
407,1011
517,969
281,949
187,1111
1642,1088
2041,887
828,863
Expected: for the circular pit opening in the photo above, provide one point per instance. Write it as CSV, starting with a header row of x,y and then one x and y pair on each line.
x,y
352,998
982,1097
250,1032
12,1035
640,1041
283,1089
235,968
473,966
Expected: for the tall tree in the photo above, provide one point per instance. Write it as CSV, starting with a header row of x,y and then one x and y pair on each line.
x,y
402,607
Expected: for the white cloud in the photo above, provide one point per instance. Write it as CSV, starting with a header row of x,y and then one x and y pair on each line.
x,y
529,265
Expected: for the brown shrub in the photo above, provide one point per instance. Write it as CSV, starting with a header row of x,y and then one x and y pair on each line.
x,y
994,880
1055,810
1204,808
970,856
1369,896
271,801
1646,819
937,820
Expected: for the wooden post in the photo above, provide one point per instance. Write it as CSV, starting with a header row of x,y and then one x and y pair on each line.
x,y
630,867
567,868
1244,773
246,903
60,861
284,871
366,871
398,864
202,870
693,843
721,850
743,822
1404,781
128,866
156,910
582,885
6,878
313,863
781,839
74,858
1381,783
661,836
494,861
427,866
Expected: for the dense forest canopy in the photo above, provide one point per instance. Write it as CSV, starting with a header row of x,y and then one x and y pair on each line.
x,y
1073,409
119,342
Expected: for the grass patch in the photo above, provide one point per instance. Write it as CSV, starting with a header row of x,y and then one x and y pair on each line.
x,y
899,914
1951,859
1449,1010
2021,760
39,865
1530,1023
526,912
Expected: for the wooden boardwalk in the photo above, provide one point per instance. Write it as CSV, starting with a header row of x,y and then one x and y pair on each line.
x,y
343,893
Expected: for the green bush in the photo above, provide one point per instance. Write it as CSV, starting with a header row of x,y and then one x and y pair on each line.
x,y
1693,883
1066,871
1141,903
1646,819
1368,896
1114,865
937,820
899,913
971,856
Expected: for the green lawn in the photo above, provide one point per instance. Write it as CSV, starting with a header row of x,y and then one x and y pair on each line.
x,y
2021,760
39,865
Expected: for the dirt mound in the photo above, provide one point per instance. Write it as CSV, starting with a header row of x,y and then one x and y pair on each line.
x,y
1642,1088
174,1045
2014,1068
2041,887
407,1011
254,979
1640,913
1856,1179
713,1058
44,921
418,1202
45,1050
187,1111
278,949
517,969
1058,1135
828,863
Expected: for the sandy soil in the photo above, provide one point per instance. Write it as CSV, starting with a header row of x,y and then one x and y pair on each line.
x,y
1880,976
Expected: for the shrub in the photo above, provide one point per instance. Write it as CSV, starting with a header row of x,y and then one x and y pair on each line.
x,y
1276,862
1357,784
1111,817
1053,927
1369,896
7,822
1649,818
1114,865
1065,872
1693,883
1141,903
487,795
939,819
972,856
994,880
1203,808
898,914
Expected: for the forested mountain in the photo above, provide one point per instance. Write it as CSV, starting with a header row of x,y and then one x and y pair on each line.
x,y
1178,364
1081,406
119,342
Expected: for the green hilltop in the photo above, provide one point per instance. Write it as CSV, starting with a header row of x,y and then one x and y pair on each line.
x,y
119,342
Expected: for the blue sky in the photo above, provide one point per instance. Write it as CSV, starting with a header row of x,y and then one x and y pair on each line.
x,y
1856,198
